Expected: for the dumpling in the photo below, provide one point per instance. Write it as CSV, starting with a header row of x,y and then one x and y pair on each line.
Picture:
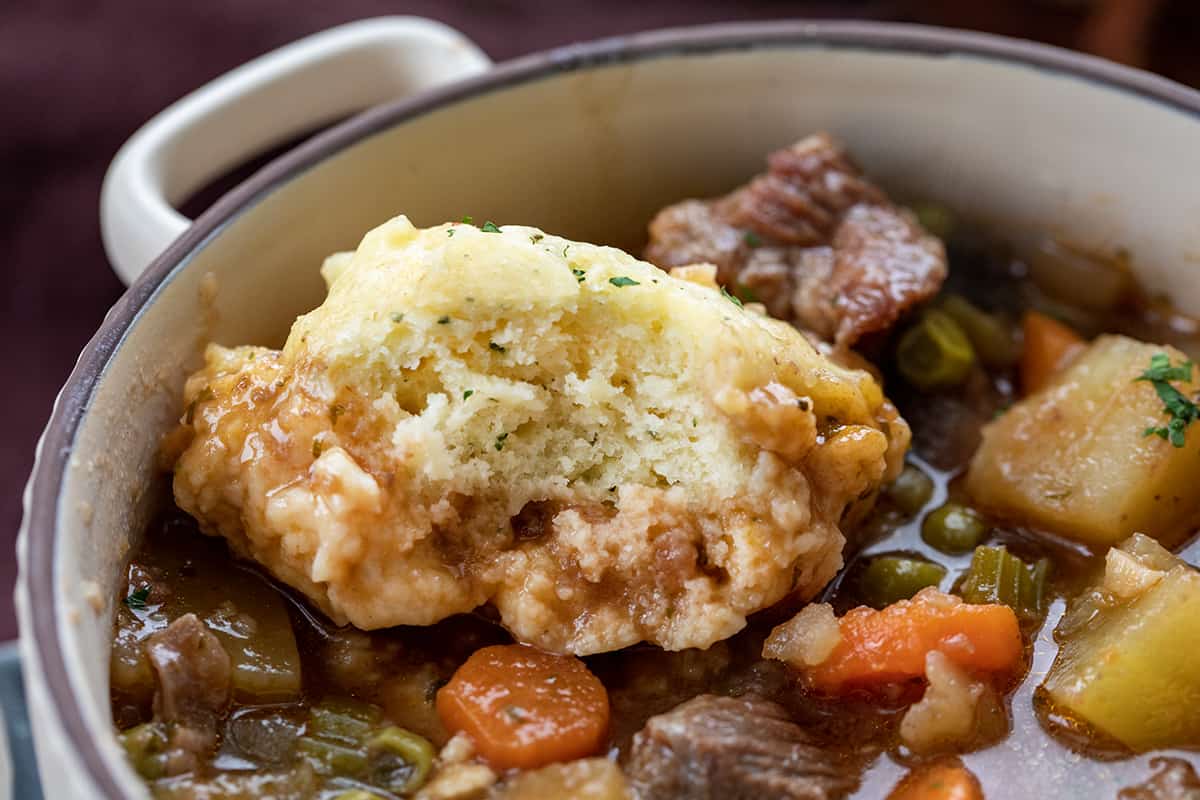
x,y
605,453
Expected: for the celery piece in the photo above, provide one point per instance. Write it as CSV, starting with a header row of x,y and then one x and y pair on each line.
x,y
993,341
400,760
342,720
330,758
997,576
935,353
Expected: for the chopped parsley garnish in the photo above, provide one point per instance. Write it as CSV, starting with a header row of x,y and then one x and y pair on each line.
x,y
537,237
137,599
500,441
731,298
579,274
565,249
468,220
496,347
489,227
468,393
396,316
752,239
443,320
1182,410
621,280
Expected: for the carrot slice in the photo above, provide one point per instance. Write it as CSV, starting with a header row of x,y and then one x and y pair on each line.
x,y
1049,345
890,645
946,780
524,707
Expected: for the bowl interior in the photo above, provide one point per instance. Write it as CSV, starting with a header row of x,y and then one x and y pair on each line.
x,y
591,153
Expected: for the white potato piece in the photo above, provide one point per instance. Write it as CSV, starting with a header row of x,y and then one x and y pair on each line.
x,y
1130,669
1073,458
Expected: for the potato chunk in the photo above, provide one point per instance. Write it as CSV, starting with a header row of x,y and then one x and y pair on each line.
x,y
1130,670
1073,458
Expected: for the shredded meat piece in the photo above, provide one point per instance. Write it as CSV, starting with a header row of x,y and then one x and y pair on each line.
x,y
194,679
723,748
816,242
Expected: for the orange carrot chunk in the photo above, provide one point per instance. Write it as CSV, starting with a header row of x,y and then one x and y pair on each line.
x,y
1049,345
889,646
525,708
946,780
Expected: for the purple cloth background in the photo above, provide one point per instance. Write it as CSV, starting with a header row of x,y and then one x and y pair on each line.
x,y
77,78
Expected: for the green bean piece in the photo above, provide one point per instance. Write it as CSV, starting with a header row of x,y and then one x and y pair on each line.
x,y
331,758
888,579
911,490
146,746
935,352
953,528
997,576
993,341
935,218
400,760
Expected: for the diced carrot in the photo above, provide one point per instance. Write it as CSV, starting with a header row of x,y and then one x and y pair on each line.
x,y
945,780
525,708
1049,345
889,646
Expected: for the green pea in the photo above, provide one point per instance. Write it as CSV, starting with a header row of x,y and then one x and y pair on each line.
x,y
935,352
994,342
400,760
911,490
953,528
888,579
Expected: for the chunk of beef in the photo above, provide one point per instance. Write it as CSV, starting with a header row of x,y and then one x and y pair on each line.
x,y
723,748
813,239
194,679
1174,779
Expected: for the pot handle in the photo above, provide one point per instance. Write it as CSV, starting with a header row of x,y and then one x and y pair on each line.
x,y
260,105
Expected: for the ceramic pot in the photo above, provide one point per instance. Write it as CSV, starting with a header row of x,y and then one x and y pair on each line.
x,y
586,141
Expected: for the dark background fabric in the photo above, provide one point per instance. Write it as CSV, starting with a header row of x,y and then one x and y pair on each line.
x,y
77,77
